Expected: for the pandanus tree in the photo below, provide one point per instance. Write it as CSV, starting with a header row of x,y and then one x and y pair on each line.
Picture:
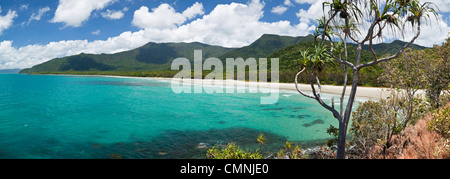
x,y
359,22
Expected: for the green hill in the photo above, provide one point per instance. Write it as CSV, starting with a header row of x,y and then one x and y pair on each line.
x,y
392,48
150,57
265,46
158,56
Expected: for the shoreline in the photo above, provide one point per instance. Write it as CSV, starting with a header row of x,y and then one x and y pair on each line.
x,y
366,93
369,93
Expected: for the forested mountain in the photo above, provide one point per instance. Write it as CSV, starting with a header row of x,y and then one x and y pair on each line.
x,y
158,56
154,59
265,46
150,57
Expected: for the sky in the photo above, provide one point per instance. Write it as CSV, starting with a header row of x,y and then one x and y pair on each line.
x,y
35,31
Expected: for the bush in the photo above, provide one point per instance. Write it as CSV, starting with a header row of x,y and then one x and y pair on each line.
x,y
441,122
232,151
291,152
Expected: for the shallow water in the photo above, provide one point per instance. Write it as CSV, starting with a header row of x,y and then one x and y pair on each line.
x,y
50,116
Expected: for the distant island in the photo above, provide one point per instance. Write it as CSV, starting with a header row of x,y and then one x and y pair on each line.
x,y
14,70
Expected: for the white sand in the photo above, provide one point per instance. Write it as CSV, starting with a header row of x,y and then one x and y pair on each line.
x,y
362,92
367,93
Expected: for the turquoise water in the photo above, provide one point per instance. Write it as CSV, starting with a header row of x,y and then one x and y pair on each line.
x,y
45,116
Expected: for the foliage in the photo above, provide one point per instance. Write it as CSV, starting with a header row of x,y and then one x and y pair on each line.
x,y
375,123
441,122
333,131
367,125
291,152
231,151
261,140
417,141
437,73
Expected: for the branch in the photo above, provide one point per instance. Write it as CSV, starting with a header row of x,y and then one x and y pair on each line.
x,y
396,54
370,33
379,30
316,95
370,40
340,61
296,85
371,50
351,37
347,31
318,99
325,27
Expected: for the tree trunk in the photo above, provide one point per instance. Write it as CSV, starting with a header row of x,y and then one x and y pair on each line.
x,y
348,110
341,141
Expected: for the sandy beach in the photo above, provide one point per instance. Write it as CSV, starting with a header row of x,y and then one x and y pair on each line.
x,y
363,92
368,93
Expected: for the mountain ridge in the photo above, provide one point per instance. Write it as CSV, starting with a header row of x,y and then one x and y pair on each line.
x,y
158,56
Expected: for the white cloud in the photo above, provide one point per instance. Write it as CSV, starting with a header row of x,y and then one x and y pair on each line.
x,y
279,10
314,12
24,6
97,32
442,5
288,3
112,15
27,56
7,20
37,16
194,10
229,25
165,16
305,1
74,12
432,32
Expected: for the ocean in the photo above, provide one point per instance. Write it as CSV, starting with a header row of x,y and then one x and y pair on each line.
x,y
78,117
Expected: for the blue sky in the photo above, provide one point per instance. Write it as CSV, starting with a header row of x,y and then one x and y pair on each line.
x,y
34,31
43,31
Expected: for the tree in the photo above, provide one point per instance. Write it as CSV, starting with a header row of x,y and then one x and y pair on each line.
x,y
261,140
437,73
406,76
345,22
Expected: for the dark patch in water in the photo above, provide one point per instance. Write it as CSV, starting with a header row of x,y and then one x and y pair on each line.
x,y
172,144
222,122
273,109
303,116
190,144
318,121
299,116
103,131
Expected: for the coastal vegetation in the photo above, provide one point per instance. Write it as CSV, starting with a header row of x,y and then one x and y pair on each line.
x,y
405,124
341,23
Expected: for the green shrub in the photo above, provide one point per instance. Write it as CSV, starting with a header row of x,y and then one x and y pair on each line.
x,y
232,151
441,122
